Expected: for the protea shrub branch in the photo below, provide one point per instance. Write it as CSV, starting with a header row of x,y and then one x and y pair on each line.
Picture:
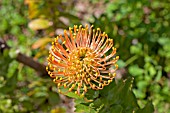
x,y
83,58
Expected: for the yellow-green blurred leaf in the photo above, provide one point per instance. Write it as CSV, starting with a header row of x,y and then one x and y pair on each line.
x,y
33,8
38,24
41,42
58,110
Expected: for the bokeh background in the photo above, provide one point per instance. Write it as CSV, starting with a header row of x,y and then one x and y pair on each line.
x,y
141,33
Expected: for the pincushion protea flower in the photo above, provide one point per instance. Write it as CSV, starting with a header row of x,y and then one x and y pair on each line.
x,y
82,61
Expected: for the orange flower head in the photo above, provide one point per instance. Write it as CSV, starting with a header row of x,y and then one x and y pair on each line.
x,y
80,60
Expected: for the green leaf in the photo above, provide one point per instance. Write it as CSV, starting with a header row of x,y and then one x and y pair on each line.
x,y
136,49
138,93
70,94
84,109
152,71
127,96
142,84
39,100
134,70
53,98
10,84
121,63
116,109
147,109
27,104
5,60
117,95
159,75
13,53
91,94
163,40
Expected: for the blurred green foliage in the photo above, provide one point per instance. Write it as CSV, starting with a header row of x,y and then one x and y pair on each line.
x,y
140,29
21,90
